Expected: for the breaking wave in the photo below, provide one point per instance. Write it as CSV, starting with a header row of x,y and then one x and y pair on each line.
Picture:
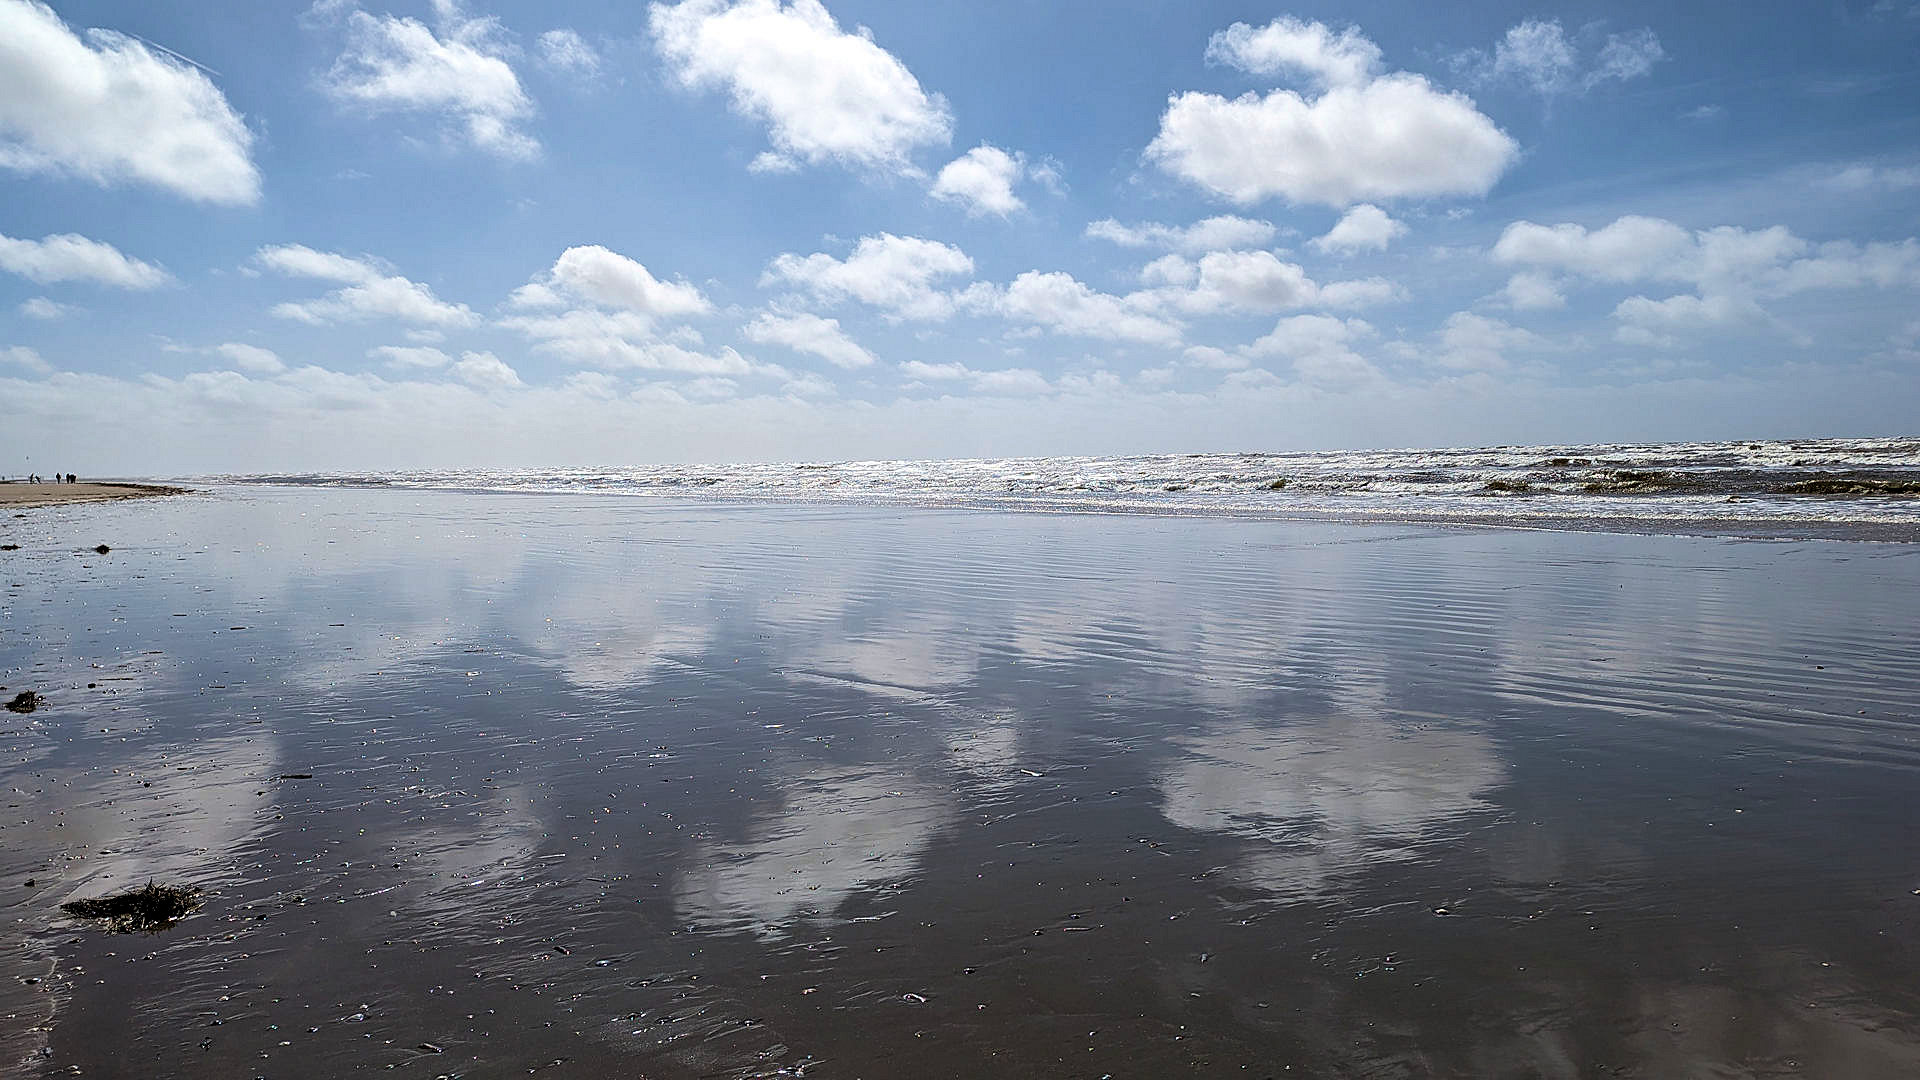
x,y
1780,483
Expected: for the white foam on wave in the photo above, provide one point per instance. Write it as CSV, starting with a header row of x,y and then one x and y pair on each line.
x,y
1724,481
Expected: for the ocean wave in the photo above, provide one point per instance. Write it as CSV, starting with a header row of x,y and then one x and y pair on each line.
x,y
1871,481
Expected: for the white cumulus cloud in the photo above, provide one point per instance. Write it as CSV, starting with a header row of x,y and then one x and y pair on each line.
x,y
411,356
369,292
1843,264
1656,322
599,308
22,356
607,278
1629,248
252,358
982,180
1362,137
1249,282
920,369
825,95
1723,258
1287,45
1000,381
1730,268
1223,233
111,110
1169,270
485,371
1360,292
460,73
1214,359
72,257
1531,291
299,260
1319,347
1245,281
1058,302
620,340
1470,342
809,333
1364,228
896,274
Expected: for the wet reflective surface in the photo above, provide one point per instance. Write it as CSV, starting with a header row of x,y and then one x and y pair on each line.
x,y
488,784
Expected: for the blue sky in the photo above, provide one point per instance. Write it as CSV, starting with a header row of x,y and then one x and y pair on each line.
x,y
348,235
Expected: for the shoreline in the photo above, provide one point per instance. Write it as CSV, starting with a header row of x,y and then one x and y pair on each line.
x,y
28,495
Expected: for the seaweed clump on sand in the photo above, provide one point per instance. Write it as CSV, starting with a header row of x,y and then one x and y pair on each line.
x,y
145,910
1634,482
1278,485
24,702
1851,485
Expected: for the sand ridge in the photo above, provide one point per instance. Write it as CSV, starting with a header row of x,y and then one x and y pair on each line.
x,y
16,495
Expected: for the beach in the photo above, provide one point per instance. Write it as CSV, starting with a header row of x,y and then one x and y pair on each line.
x,y
753,539
561,783
24,494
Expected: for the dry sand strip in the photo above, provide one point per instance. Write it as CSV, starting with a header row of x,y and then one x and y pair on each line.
x,y
17,495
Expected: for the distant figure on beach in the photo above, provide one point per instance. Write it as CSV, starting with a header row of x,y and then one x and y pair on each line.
x,y
72,479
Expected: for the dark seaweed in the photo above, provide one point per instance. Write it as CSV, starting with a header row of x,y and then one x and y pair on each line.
x,y
146,910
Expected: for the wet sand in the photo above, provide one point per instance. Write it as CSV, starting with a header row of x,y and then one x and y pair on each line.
x,y
19,495
489,785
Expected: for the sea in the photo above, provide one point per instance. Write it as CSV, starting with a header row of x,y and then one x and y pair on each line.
x,y
1858,487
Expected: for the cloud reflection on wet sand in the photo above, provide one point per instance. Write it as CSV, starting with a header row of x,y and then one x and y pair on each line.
x,y
1319,801
834,836
647,773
